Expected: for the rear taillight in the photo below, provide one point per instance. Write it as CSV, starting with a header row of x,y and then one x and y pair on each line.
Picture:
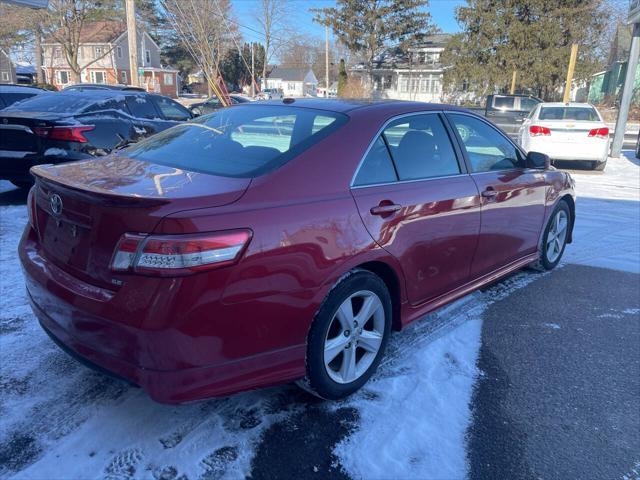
x,y
537,130
599,132
67,134
171,255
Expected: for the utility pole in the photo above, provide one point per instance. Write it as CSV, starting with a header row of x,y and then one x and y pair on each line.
x,y
133,42
627,92
253,75
326,61
572,67
513,82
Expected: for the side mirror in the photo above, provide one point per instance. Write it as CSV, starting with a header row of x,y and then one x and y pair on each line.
x,y
538,161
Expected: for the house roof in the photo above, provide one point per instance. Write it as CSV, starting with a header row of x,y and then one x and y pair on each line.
x,y
98,32
289,74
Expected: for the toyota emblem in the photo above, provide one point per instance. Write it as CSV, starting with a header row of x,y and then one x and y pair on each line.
x,y
56,204
5,121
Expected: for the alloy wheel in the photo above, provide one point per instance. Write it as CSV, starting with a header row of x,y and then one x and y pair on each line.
x,y
557,235
354,337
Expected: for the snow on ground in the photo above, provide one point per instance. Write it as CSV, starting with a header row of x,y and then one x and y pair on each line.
x,y
60,420
608,217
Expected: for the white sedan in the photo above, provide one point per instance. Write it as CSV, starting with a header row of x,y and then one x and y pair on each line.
x,y
567,131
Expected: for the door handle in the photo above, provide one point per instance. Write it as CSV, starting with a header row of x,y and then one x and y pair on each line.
x,y
385,209
490,193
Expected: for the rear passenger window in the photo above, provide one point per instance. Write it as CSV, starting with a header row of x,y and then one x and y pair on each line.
x,y
420,147
503,102
377,166
172,110
141,107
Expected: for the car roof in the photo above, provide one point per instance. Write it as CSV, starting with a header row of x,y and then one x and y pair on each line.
x,y
13,88
392,107
568,104
100,94
103,86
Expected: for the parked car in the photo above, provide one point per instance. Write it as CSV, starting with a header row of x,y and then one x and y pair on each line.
x,y
567,132
509,108
68,126
83,87
10,94
282,241
270,94
212,104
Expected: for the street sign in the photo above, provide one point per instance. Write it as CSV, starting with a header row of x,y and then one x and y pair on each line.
x,y
634,11
141,71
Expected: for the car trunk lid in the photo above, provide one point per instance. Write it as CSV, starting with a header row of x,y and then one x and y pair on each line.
x,y
83,208
18,130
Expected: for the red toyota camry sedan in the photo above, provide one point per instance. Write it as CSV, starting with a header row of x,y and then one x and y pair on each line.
x,y
281,242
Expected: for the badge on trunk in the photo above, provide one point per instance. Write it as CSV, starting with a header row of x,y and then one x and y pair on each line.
x,y
55,202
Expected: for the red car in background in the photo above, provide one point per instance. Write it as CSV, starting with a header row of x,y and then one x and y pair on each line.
x,y
282,241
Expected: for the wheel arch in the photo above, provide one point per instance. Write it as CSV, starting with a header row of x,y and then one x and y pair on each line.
x,y
388,275
572,210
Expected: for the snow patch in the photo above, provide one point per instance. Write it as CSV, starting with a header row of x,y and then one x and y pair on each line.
x,y
415,411
57,152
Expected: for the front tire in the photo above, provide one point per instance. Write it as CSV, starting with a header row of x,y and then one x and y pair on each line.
x,y
348,337
555,236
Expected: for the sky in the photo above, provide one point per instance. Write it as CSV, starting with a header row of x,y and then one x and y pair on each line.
x,y
442,12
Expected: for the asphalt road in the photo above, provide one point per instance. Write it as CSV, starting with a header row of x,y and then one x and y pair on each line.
x,y
559,394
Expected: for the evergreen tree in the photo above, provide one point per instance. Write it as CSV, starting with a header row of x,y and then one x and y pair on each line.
x,y
369,27
532,37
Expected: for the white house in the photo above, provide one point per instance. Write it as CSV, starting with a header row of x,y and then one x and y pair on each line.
x,y
294,82
104,52
412,75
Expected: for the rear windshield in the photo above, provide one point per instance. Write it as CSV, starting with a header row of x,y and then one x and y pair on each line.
x,y
244,141
585,114
54,103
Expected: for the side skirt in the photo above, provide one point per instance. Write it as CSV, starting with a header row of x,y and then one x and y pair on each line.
x,y
410,314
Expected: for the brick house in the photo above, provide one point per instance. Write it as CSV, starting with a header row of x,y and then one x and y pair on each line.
x,y
104,55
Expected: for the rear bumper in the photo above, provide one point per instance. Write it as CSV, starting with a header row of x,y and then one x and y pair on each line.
x,y
589,150
170,359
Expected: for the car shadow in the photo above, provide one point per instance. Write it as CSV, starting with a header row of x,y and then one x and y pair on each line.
x,y
13,195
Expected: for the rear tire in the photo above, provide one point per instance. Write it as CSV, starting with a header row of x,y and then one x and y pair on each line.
x,y
348,336
599,166
554,239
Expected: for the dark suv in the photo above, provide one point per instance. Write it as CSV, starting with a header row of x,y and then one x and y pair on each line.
x,y
509,108
66,126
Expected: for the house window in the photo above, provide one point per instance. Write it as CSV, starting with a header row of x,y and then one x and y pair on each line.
x,y
57,52
404,84
98,52
168,79
424,85
63,77
119,52
415,82
147,56
291,86
5,76
123,77
98,77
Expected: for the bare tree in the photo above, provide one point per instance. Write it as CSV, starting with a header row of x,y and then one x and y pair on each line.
x,y
273,17
206,30
65,21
